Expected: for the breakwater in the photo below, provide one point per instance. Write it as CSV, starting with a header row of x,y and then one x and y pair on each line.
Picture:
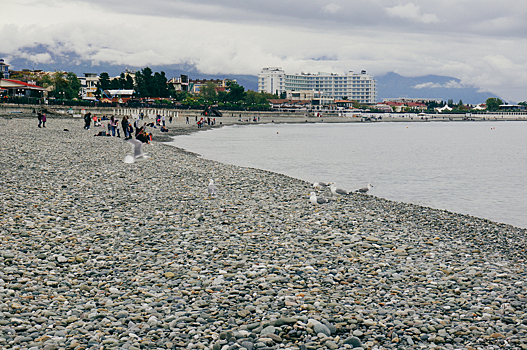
x,y
98,253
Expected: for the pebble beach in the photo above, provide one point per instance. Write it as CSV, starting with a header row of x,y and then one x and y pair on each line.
x,y
99,254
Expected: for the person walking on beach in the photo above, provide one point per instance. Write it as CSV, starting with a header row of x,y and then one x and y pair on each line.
x,y
39,116
170,120
87,121
44,120
187,120
163,120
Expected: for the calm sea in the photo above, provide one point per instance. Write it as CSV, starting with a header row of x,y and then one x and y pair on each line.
x,y
476,168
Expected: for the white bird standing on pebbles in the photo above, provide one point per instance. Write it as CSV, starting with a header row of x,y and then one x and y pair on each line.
x,y
337,191
365,189
137,150
211,188
320,185
317,200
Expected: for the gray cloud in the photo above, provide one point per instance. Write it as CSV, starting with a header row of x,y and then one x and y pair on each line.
x,y
484,44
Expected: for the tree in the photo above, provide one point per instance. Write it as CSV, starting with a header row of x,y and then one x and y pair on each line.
x,y
524,103
129,84
493,103
60,85
74,86
144,82
160,86
208,92
104,81
450,103
460,104
1,75
236,92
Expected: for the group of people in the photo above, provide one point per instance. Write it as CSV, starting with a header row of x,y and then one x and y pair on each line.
x,y
136,128
41,120
161,119
203,121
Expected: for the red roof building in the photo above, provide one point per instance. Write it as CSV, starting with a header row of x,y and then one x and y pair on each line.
x,y
20,88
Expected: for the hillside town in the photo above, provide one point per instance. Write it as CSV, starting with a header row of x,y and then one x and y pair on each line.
x,y
277,91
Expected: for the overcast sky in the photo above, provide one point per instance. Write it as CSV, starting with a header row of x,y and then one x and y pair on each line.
x,y
481,42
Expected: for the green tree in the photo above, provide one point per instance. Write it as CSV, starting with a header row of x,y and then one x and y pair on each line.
x,y
460,104
1,75
160,86
115,84
450,103
104,81
129,85
144,82
74,86
208,92
60,85
493,104
236,92
524,103
181,95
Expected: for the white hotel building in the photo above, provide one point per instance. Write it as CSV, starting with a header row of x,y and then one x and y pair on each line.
x,y
358,87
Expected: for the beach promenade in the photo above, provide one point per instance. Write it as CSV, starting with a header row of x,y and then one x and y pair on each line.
x,y
99,254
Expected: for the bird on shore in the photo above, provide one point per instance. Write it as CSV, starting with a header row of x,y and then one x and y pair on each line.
x,y
365,189
320,185
338,191
317,200
211,188
137,150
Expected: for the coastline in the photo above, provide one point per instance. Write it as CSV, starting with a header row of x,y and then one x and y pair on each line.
x,y
95,250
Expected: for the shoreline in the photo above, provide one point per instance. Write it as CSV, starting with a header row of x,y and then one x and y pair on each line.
x,y
99,253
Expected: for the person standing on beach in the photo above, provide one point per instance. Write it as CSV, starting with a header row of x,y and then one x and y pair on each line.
x,y
39,116
170,120
44,120
112,125
163,119
124,125
187,120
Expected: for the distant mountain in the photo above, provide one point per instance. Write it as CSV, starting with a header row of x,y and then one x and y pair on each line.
x,y
393,85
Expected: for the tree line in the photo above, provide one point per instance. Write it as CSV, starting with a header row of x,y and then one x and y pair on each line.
x,y
149,84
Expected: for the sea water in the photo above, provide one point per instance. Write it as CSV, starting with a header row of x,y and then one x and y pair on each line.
x,y
476,168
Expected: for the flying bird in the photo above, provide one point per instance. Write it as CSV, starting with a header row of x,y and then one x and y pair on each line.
x,y
211,188
365,189
317,200
137,150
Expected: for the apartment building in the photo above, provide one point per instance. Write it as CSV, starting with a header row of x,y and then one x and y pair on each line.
x,y
89,86
4,68
359,87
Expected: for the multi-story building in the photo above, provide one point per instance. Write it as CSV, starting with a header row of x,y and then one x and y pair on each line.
x,y
359,87
4,68
89,86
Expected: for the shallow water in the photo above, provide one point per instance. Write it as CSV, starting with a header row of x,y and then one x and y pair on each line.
x,y
476,168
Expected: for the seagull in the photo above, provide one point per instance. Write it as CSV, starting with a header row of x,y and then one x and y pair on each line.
x,y
211,188
320,185
365,189
138,154
337,191
317,200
